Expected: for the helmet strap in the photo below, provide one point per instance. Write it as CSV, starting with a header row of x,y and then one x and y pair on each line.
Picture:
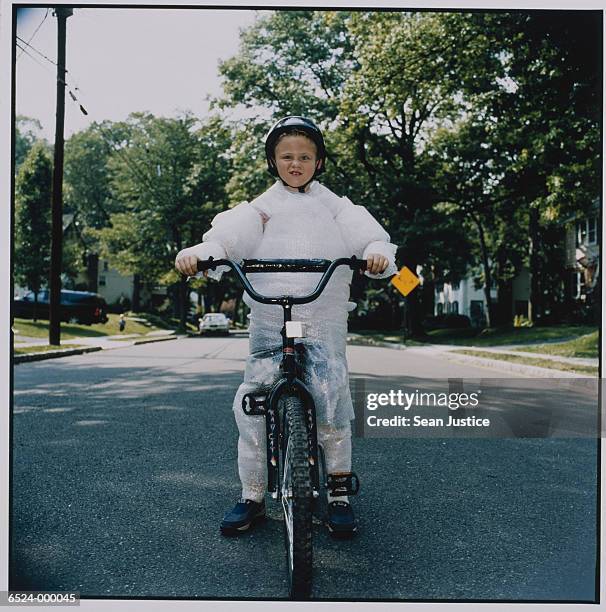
x,y
301,189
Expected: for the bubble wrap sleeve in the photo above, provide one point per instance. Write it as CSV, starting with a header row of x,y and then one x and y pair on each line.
x,y
364,236
238,230
234,234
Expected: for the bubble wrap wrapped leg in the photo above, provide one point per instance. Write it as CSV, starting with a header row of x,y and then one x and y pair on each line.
x,y
325,375
252,452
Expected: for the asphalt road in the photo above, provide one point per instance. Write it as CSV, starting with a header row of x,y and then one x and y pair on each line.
x,y
124,462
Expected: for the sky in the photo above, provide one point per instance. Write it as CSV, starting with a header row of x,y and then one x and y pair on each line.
x,y
124,59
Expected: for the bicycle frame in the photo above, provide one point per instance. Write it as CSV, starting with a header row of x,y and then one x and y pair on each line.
x,y
291,382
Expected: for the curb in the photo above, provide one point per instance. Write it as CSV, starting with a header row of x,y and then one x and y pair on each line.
x,y
368,342
152,340
80,351
238,333
54,354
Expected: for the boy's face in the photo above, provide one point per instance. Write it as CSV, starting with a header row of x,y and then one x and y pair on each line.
x,y
296,161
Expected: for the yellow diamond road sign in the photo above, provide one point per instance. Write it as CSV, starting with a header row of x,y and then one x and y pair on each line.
x,y
405,281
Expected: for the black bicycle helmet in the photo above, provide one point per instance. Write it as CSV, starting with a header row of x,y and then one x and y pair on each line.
x,y
298,124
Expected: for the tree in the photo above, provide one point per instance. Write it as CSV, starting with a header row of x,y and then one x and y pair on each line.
x,y
33,220
339,68
412,70
27,133
383,85
87,192
169,175
547,111
466,165
292,63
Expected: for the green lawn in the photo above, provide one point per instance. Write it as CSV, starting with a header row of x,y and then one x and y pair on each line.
x,y
499,336
532,361
44,348
496,336
164,322
39,329
584,346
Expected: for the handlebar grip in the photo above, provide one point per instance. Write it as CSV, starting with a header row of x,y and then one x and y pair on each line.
x,y
358,264
206,264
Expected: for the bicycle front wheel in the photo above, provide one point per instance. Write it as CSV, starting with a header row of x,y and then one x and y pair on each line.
x,y
296,491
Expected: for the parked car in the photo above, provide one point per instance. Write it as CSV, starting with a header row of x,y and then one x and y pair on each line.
x,y
76,307
214,322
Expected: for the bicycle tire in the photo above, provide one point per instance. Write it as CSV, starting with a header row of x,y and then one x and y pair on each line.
x,y
297,500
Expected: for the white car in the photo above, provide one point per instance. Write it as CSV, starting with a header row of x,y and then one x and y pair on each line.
x,y
215,322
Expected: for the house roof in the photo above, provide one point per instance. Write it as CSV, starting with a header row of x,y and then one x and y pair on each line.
x,y
595,207
67,220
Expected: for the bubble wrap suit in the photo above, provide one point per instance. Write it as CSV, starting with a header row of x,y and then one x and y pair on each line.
x,y
283,224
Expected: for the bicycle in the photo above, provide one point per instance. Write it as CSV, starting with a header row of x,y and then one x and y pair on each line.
x,y
296,465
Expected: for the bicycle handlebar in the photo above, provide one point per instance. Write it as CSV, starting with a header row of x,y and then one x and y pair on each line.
x,y
283,265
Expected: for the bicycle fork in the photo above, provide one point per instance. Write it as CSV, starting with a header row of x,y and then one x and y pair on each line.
x,y
255,404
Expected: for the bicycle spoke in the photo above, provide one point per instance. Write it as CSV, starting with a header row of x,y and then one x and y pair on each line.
x,y
287,506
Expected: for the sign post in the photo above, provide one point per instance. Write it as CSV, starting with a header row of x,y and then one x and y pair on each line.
x,y
405,281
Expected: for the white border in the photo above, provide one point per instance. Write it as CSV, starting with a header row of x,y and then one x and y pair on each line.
x,y
5,289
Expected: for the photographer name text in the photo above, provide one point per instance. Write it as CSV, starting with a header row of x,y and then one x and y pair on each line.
x,y
407,400
417,421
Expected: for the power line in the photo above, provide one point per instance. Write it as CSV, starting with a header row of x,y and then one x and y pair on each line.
x,y
72,95
35,31
74,98
75,88
24,50
47,59
109,139
36,50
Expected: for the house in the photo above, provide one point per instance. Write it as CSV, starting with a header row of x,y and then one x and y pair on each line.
x,y
113,285
463,298
582,258
580,278
119,289
98,276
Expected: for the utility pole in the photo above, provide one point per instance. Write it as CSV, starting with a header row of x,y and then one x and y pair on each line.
x,y
54,328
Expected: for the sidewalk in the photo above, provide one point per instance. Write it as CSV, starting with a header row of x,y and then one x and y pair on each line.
x,y
511,350
105,342
89,344
448,351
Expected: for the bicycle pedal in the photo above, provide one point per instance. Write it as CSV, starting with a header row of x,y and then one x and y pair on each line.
x,y
341,484
254,405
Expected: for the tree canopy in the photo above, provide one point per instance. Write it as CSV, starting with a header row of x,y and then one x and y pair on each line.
x,y
471,136
33,219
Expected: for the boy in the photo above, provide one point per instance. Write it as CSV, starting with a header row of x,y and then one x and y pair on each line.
x,y
296,218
